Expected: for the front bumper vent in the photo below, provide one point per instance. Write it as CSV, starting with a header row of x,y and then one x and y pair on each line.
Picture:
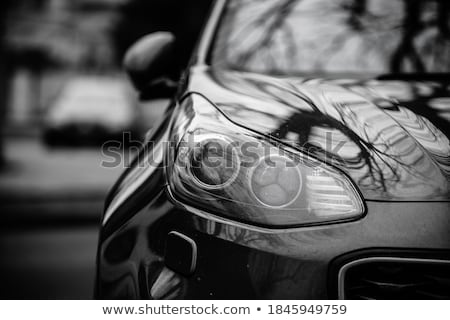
x,y
395,278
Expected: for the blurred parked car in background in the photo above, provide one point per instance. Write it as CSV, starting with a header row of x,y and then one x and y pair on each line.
x,y
91,110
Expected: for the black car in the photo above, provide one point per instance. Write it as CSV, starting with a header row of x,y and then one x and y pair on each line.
x,y
305,155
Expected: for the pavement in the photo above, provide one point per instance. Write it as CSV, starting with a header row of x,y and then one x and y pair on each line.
x,y
48,263
51,202
39,183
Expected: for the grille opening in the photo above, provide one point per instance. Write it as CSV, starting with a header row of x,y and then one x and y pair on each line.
x,y
402,279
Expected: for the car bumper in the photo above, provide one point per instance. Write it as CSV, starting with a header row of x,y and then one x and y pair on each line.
x,y
235,262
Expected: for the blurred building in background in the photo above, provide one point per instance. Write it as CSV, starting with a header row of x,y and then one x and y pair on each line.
x,y
45,42
48,40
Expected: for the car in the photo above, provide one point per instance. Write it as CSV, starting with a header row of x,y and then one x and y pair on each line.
x,y
90,110
305,155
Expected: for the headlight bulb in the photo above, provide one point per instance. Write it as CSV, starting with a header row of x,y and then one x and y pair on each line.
x,y
276,181
213,163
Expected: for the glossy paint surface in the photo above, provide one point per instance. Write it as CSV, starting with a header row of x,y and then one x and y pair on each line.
x,y
390,137
236,261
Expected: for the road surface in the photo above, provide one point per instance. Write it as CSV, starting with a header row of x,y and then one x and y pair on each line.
x,y
50,204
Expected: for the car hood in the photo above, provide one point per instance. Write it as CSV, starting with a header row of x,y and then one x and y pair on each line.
x,y
390,136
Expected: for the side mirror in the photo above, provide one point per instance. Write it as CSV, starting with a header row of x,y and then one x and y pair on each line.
x,y
148,62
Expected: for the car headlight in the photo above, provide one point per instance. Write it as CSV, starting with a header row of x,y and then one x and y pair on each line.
x,y
226,170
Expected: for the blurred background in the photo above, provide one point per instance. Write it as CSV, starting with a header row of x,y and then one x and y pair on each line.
x,y
62,94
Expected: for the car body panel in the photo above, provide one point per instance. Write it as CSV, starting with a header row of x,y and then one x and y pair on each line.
x,y
237,261
391,137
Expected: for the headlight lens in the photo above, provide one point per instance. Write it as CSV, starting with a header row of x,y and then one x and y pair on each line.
x,y
229,171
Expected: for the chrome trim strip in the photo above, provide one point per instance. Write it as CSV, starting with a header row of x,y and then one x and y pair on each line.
x,y
346,267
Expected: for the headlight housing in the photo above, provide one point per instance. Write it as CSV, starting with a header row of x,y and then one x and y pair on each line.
x,y
231,172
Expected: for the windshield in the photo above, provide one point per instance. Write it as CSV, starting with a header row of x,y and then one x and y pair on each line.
x,y
329,37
